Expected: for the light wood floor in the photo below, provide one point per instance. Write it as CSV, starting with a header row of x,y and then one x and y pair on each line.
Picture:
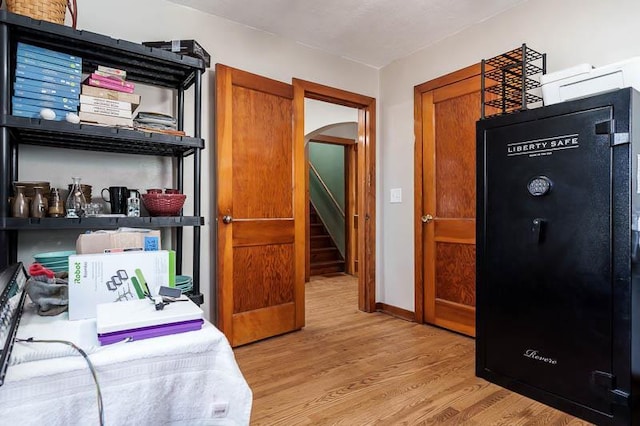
x,y
351,368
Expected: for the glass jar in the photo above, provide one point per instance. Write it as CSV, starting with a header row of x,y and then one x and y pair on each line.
x,y
20,203
56,205
75,201
133,203
39,203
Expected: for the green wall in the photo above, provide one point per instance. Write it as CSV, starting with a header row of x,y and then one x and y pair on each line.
x,y
328,160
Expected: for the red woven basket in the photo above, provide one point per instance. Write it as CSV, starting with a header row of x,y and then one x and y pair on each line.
x,y
163,204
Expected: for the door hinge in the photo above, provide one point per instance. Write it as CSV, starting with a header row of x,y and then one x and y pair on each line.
x,y
604,385
609,128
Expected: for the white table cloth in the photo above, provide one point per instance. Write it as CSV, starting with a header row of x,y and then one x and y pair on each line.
x,y
188,378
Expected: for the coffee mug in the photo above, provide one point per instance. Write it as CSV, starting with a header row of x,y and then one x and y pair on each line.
x,y
117,198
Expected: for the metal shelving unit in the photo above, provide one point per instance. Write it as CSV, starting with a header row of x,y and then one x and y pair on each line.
x,y
507,80
143,64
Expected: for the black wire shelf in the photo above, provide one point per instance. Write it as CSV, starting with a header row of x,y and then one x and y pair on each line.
x,y
143,64
61,134
508,79
48,223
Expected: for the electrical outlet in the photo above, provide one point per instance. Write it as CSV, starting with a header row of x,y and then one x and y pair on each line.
x,y
395,195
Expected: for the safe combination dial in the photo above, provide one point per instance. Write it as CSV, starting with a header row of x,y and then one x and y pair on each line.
x,y
539,185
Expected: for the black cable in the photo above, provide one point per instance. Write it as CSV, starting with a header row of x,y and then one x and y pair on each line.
x,y
89,363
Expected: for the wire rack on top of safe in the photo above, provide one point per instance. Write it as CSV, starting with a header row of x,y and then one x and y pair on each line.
x,y
507,80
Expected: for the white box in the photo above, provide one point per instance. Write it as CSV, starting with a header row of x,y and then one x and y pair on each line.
x,y
135,314
114,277
581,81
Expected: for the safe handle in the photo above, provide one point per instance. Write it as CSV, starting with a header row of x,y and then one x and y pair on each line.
x,y
537,230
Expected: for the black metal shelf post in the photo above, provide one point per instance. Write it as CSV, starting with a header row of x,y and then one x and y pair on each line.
x,y
154,66
7,237
197,180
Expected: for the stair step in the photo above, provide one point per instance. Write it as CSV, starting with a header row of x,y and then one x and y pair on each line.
x,y
328,267
318,241
325,254
325,258
314,218
317,229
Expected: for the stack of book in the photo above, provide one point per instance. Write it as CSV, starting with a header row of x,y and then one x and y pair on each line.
x,y
45,79
107,98
157,122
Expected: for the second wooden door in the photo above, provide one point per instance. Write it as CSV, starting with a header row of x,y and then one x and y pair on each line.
x,y
446,112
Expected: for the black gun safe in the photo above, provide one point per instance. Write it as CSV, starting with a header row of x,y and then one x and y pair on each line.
x,y
558,290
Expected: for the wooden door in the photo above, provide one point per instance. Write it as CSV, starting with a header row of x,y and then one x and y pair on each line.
x,y
446,112
260,217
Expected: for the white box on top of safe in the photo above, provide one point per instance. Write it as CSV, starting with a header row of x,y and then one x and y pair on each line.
x,y
582,81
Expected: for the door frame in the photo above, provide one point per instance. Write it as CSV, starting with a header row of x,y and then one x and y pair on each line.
x,y
351,188
419,174
366,221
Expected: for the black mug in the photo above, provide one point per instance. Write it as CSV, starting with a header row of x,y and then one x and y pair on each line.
x,y
117,198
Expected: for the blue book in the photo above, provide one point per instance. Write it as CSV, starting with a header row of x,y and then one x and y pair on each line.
x,y
49,59
33,70
34,73
20,59
34,112
23,47
44,90
38,84
28,53
21,103
43,97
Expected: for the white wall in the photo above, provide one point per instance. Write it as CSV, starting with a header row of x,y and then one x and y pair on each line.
x,y
319,114
569,31
229,43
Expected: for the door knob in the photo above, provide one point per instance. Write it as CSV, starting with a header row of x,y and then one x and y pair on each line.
x,y
227,219
427,218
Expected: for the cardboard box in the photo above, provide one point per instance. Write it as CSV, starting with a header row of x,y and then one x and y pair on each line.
x,y
116,277
123,239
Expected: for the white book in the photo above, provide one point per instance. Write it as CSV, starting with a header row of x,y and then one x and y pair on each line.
x,y
107,120
107,103
101,109
113,71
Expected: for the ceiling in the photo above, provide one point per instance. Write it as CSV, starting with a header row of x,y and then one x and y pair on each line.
x,y
373,32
